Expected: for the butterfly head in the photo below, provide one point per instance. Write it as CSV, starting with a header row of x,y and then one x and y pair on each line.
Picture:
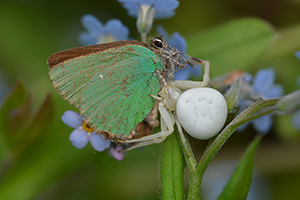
x,y
170,56
159,43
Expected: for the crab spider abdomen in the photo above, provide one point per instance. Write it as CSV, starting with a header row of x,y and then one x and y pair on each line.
x,y
202,112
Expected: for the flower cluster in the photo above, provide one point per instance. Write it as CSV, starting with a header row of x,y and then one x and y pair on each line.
x,y
147,10
263,86
162,8
97,33
83,134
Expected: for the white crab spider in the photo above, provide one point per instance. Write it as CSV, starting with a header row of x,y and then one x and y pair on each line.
x,y
174,108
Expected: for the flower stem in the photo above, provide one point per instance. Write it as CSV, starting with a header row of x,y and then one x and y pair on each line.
x,y
194,185
172,168
187,150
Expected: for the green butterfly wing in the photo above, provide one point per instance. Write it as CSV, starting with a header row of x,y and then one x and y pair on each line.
x,y
111,87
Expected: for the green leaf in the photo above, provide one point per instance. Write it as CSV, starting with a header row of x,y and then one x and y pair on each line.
x,y
239,184
18,128
41,121
289,102
16,101
171,168
232,96
43,149
237,44
283,54
41,166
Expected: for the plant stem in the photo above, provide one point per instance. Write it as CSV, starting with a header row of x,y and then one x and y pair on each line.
x,y
187,151
194,185
144,37
172,168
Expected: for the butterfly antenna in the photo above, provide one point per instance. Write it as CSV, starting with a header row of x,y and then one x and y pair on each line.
x,y
191,57
187,61
177,51
173,60
182,57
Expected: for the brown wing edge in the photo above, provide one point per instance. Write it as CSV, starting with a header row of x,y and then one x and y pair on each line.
x,y
65,55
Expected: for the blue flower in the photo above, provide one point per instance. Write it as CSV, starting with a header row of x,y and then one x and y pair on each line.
x,y
264,87
98,33
117,152
297,54
147,10
162,8
83,133
177,41
263,84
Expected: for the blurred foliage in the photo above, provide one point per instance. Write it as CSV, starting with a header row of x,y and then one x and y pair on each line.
x,y
38,161
236,187
237,44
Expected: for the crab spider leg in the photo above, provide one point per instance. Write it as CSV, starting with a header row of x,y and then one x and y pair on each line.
x,y
194,84
168,118
163,126
182,137
146,143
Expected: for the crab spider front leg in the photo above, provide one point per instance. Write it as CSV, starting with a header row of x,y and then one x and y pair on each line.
x,y
182,137
195,84
167,128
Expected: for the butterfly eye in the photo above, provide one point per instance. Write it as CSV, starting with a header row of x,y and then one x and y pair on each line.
x,y
158,43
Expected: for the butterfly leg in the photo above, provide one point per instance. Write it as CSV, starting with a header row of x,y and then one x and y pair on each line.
x,y
156,97
167,123
194,84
